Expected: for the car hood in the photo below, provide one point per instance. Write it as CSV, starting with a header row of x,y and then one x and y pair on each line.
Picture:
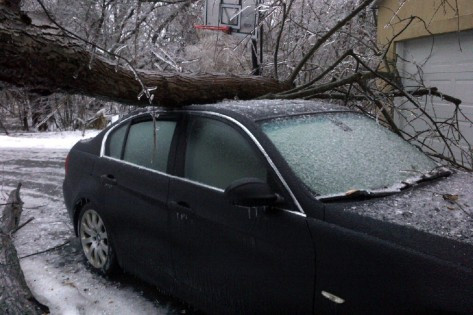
x,y
443,207
434,217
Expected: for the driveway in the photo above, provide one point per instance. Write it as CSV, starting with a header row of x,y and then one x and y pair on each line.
x,y
60,277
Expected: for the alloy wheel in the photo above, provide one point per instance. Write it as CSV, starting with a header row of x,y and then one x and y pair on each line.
x,y
94,239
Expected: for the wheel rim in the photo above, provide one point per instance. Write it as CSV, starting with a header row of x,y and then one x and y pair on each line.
x,y
94,238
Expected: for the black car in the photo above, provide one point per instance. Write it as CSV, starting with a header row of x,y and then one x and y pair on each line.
x,y
274,207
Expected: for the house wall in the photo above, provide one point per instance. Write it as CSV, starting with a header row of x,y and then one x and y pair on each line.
x,y
438,15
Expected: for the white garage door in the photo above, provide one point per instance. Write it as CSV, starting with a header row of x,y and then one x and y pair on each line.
x,y
446,62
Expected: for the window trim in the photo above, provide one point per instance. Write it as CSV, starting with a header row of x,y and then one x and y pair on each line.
x,y
107,144
128,123
240,127
105,137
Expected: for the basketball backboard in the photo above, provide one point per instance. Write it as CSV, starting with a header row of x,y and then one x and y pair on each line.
x,y
240,15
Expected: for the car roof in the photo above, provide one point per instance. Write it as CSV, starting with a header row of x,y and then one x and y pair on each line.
x,y
267,109
255,109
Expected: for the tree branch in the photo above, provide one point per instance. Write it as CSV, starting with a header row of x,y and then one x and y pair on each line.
x,y
325,37
319,89
41,58
278,39
15,296
429,91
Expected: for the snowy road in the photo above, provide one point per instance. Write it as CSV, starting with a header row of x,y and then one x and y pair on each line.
x,y
60,278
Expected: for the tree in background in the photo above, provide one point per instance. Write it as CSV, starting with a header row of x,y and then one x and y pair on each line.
x,y
148,53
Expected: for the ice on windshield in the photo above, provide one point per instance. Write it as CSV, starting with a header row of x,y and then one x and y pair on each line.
x,y
334,153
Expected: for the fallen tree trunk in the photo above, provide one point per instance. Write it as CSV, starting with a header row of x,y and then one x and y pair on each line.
x,y
15,296
38,55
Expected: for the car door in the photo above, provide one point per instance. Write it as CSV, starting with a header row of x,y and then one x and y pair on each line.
x,y
133,172
234,258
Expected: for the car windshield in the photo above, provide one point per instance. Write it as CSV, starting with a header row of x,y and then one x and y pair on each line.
x,y
334,153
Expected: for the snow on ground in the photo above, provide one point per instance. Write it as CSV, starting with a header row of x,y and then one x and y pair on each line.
x,y
61,278
45,140
77,291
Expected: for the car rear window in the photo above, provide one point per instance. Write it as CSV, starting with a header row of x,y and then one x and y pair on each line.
x,y
148,144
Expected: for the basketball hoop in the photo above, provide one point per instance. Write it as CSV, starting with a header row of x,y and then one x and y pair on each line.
x,y
225,29
235,17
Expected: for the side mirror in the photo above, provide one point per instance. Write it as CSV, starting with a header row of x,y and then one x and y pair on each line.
x,y
251,192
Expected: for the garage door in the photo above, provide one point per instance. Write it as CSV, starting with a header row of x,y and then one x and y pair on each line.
x,y
446,62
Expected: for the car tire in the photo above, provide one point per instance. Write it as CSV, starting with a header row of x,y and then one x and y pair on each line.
x,y
95,241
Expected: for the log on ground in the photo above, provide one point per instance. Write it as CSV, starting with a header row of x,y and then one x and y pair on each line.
x,y
15,296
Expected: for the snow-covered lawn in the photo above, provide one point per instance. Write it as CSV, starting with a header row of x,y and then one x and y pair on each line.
x,y
45,140
60,278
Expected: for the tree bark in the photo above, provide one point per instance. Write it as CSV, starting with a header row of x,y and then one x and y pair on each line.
x,y
3,128
37,55
15,296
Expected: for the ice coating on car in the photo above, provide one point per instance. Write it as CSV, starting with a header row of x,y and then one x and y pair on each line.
x,y
443,207
263,109
338,152
253,110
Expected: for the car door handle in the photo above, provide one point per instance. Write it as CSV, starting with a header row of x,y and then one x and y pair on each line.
x,y
108,179
180,206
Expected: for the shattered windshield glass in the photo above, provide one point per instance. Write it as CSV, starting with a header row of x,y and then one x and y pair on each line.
x,y
334,153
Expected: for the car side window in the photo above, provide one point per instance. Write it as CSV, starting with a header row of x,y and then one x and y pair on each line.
x,y
115,143
148,144
217,154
